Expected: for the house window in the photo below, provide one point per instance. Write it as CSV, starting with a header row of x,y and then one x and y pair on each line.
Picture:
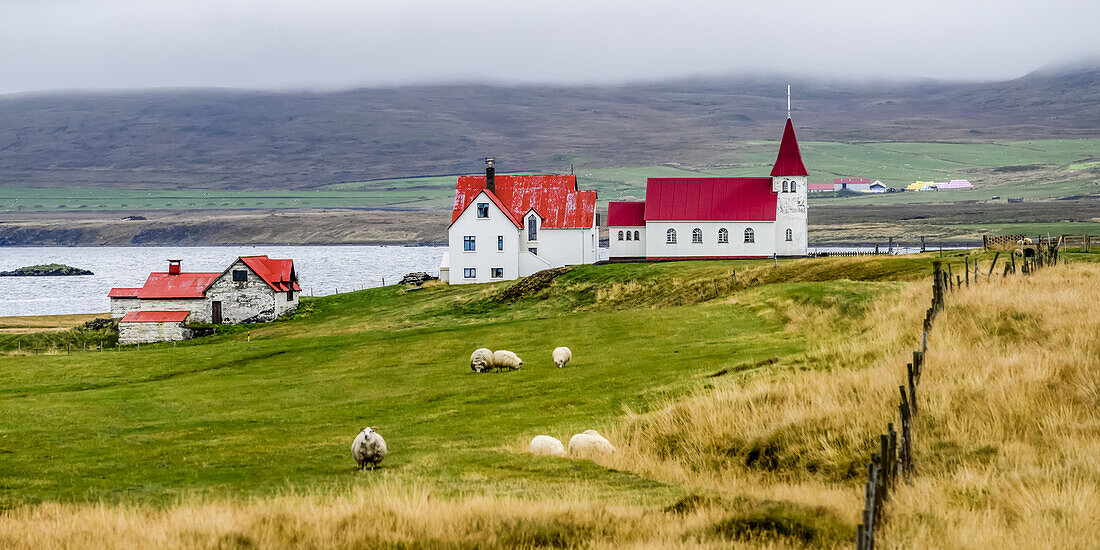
x,y
790,235
500,242
469,273
636,236
469,243
670,236
534,251
532,229
723,235
483,210
627,235
784,186
750,236
697,235
240,275
497,273
620,235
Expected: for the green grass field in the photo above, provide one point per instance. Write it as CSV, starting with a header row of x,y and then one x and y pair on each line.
x,y
222,416
1060,168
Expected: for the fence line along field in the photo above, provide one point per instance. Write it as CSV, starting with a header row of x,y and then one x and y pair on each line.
x,y
745,409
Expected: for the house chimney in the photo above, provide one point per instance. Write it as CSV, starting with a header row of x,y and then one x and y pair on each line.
x,y
490,175
174,267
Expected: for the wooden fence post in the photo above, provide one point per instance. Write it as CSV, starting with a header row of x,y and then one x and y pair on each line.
x,y
994,264
967,261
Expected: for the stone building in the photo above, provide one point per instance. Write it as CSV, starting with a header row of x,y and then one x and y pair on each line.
x,y
253,289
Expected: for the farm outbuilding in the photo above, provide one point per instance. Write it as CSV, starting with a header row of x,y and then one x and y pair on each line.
x,y
146,327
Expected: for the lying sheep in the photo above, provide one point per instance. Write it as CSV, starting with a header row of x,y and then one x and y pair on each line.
x,y
562,356
544,445
589,443
368,448
481,360
504,359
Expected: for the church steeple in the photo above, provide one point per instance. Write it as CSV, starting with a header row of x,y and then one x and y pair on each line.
x,y
789,160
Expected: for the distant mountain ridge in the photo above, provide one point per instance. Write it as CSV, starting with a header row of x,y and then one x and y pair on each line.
x,y
242,139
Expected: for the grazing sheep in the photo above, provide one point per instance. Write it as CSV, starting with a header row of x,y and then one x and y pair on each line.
x,y
368,448
544,445
481,360
562,356
504,359
589,443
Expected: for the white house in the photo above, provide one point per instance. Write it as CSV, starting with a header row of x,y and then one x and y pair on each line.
x,y
698,218
510,226
252,289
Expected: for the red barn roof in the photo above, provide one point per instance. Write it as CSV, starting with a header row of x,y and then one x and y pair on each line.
x,y
789,160
155,317
123,293
278,274
710,199
625,213
183,285
554,197
822,187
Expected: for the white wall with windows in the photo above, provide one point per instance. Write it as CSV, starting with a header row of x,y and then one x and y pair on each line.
x,y
482,243
626,242
556,247
791,235
709,239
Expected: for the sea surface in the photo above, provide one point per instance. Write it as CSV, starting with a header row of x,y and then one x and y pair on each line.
x,y
322,270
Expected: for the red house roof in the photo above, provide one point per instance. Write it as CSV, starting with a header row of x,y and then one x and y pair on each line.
x,y
123,293
625,213
183,285
554,197
710,199
789,160
155,317
278,274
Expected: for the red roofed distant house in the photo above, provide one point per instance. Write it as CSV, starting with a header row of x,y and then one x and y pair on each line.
x,y
510,226
252,289
697,218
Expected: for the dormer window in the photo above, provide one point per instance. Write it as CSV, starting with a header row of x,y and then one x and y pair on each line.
x,y
482,210
532,228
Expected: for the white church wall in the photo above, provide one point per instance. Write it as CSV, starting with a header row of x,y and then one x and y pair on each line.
x,y
622,248
791,209
656,244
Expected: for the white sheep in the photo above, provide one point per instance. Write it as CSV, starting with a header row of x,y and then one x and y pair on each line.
x,y
544,445
504,359
368,448
589,443
481,360
562,356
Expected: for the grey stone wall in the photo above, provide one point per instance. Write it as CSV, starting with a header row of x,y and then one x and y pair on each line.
x,y
249,301
147,333
121,306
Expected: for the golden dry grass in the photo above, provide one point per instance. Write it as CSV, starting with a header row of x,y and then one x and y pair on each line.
x,y
38,323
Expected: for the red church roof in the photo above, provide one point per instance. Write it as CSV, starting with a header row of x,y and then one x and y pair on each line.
x,y
554,197
710,199
123,293
278,274
183,285
789,160
625,213
155,317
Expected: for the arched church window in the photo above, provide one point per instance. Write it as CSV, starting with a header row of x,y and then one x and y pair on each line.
x,y
670,236
635,235
620,235
628,235
784,186
723,235
790,235
696,235
750,235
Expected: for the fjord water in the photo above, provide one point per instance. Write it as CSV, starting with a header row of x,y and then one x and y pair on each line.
x,y
322,270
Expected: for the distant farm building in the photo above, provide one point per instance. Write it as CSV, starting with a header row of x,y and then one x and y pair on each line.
x,y
510,226
955,184
859,185
697,218
252,289
822,187
876,187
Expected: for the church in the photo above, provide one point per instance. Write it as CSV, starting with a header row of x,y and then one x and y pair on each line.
x,y
717,218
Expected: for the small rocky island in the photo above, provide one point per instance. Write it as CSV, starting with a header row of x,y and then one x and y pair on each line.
x,y
47,270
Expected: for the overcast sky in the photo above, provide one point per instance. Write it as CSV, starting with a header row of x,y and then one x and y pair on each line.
x,y
65,44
